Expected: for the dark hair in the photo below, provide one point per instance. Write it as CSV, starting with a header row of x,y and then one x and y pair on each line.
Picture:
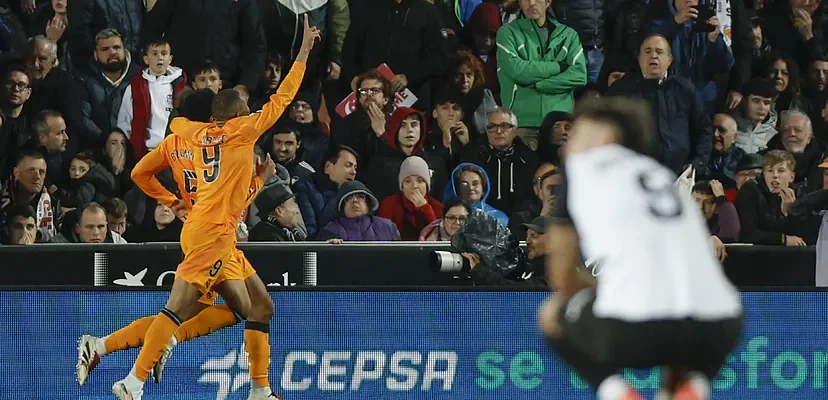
x,y
702,187
335,151
203,67
455,203
759,86
103,159
629,118
19,210
40,124
286,125
115,207
23,154
374,74
197,106
85,157
448,95
226,104
156,43
16,68
765,67
276,58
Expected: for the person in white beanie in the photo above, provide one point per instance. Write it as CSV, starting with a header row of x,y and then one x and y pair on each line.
x,y
412,208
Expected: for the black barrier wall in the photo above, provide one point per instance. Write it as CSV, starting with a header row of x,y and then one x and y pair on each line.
x,y
289,264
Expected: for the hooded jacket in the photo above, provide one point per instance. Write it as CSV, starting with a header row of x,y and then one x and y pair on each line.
x,y
382,171
511,171
752,137
537,78
451,193
367,227
485,21
315,141
146,105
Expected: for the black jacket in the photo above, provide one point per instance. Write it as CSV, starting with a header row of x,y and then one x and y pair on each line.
x,y
531,274
524,214
587,17
60,92
406,36
97,185
683,132
88,17
628,29
103,100
271,231
783,35
230,33
760,215
510,172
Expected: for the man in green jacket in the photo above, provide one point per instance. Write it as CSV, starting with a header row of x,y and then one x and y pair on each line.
x,y
540,63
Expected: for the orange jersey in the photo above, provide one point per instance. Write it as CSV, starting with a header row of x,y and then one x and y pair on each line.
x,y
223,156
174,152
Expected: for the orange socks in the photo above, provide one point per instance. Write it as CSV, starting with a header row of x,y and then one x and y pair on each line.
x,y
258,350
128,337
158,336
207,321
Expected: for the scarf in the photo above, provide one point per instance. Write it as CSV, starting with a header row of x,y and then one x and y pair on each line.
x,y
724,13
43,211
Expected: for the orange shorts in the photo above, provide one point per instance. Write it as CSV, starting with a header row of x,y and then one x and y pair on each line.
x,y
210,258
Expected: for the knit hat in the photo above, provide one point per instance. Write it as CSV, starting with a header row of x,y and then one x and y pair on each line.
x,y
271,197
415,166
350,188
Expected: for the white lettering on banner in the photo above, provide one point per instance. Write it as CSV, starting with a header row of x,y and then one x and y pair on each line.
x,y
160,281
404,371
229,372
131,280
285,281
329,370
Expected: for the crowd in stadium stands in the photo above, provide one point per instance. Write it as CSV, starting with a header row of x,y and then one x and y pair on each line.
x,y
458,105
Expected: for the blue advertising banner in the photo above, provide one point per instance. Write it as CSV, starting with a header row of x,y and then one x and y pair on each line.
x,y
384,345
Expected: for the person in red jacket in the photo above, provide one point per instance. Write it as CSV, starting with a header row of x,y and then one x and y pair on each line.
x,y
412,208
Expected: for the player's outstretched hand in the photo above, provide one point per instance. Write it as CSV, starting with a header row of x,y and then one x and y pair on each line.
x,y
310,36
266,168
180,210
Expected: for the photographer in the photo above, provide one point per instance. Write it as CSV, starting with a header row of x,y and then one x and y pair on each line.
x,y
530,273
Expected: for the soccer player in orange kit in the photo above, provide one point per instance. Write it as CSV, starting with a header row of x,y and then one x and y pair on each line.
x,y
174,152
223,166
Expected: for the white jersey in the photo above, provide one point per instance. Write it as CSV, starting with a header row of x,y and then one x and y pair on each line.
x,y
656,261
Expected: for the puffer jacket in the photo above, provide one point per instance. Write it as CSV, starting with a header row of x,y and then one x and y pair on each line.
x,y
104,99
587,17
752,137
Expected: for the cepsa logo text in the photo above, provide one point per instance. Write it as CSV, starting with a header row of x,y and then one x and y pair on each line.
x,y
349,370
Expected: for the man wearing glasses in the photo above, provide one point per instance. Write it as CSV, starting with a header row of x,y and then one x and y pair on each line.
x,y
507,160
16,91
361,128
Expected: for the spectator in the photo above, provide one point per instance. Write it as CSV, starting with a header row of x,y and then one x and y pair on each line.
x,y
112,69
443,229
91,227
796,26
53,22
797,138
807,211
305,111
54,89
356,222
817,78
630,22
760,47
412,208
613,69
725,156
229,33
286,146
207,75
163,228
530,273
27,187
471,184
552,136
536,78
721,216
697,56
448,129
115,153
756,118
88,182
317,197
784,74
20,226
683,132
405,137
116,214
763,205
589,19
269,82
480,36
279,215
748,169
376,36
546,180
92,16
148,100
504,156
361,128
476,99
50,137
14,130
